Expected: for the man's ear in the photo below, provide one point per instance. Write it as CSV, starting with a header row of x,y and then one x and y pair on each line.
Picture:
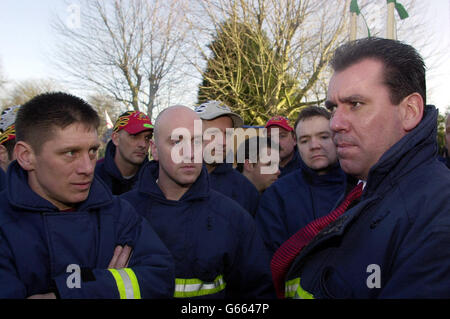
x,y
25,155
115,138
248,166
411,111
154,150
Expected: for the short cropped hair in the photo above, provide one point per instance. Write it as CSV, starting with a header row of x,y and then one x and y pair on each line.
x,y
404,68
255,140
37,118
312,111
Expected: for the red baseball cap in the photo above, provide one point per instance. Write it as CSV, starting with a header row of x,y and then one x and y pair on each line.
x,y
133,122
279,121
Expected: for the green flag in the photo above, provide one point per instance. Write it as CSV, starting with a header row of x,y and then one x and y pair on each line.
x,y
354,7
403,14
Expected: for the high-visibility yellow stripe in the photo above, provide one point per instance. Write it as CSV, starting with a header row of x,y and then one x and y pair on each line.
x,y
290,287
127,283
134,282
193,287
119,283
302,293
293,289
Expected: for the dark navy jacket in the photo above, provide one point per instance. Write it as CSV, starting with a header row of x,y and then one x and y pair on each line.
x,y
295,200
217,250
2,179
395,243
445,160
236,186
295,163
38,243
107,170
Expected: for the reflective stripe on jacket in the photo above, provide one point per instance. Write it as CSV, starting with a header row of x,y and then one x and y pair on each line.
x,y
217,250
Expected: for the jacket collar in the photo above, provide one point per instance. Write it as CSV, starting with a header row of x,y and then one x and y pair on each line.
x,y
222,168
150,172
334,175
415,148
295,162
21,195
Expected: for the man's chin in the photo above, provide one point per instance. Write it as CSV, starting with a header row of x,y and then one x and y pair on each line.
x,y
322,169
186,181
138,160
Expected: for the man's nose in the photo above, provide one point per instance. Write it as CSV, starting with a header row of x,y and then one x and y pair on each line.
x,y
339,121
314,144
144,142
86,164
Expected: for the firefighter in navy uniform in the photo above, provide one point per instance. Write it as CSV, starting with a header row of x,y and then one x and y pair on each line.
x,y
216,247
393,242
59,223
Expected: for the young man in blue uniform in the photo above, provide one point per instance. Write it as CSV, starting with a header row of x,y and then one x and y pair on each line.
x,y
309,192
393,242
126,152
62,233
290,159
217,250
217,118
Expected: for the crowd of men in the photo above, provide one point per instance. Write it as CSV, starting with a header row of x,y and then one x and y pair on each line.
x,y
351,201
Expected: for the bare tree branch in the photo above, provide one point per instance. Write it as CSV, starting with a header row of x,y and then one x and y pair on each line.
x,y
274,50
124,49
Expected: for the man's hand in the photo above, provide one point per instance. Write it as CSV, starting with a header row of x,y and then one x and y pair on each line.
x,y
121,257
50,295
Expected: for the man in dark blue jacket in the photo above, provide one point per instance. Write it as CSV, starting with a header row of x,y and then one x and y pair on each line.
x,y
126,152
290,159
394,242
2,180
217,118
309,192
217,250
62,233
